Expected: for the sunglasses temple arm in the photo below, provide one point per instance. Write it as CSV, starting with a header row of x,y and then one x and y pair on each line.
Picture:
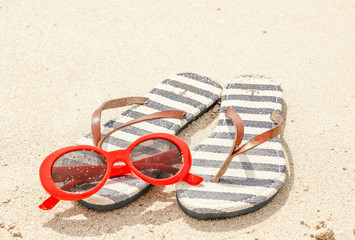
x,y
64,172
170,157
119,170
123,169
192,179
189,178
49,203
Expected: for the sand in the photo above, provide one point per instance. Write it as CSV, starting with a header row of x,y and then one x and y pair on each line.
x,y
59,60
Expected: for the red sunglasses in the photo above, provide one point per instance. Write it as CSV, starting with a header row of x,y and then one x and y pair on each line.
x,y
77,172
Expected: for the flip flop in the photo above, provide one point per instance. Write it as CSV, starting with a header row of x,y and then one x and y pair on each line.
x,y
238,180
186,92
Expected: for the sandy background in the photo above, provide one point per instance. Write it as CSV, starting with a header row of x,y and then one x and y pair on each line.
x,y
59,60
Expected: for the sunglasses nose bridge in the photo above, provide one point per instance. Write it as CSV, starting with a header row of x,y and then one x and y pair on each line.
x,y
118,156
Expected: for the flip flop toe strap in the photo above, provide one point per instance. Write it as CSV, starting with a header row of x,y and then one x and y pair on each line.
x,y
114,103
121,102
256,141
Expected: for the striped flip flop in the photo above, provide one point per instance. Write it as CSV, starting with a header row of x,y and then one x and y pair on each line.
x,y
186,92
238,180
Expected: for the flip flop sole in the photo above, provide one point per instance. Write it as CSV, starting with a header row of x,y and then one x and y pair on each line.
x,y
222,215
144,190
253,178
188,92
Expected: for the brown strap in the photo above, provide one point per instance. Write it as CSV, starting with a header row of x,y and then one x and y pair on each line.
x,y
260,139
157,115
115,103
239,128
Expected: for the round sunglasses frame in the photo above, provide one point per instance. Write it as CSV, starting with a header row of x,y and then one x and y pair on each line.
x,y
112,157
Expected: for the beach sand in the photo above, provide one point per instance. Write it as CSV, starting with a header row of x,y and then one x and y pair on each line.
x,y
59,60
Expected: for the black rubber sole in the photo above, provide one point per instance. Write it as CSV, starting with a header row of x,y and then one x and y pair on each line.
x,y
144,190
115,205
223,215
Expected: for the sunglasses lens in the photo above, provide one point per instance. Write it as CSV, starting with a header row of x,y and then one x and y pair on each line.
x,y
79,171
157,158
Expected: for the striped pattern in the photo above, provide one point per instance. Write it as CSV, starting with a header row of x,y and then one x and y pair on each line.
x,y
188,92
252,178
